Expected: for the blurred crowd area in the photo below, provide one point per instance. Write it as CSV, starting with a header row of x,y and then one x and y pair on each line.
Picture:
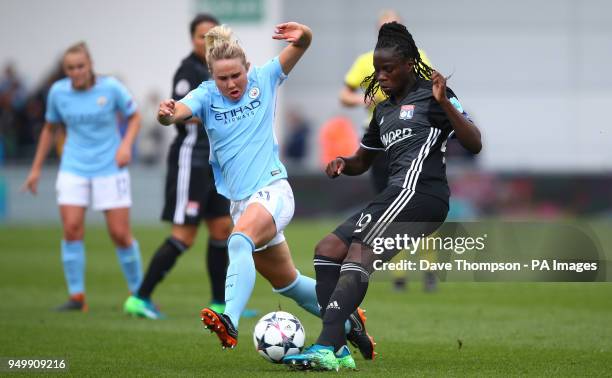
x,y
476,193
22,113
22,116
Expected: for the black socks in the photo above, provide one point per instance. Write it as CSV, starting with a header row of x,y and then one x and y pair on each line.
x,y
217,260
162,262
349,291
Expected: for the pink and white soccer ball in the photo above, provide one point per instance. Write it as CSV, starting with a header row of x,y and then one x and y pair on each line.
x,y
278,334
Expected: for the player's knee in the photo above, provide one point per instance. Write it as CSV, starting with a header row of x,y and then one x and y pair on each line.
x,y
281,278
362,255
220,228
74,231
185,234
331,246
121,238
186,240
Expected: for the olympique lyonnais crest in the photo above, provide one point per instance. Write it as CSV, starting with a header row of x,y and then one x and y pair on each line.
x,y
192,209
406,112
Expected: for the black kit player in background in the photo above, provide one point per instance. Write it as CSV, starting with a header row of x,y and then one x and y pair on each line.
x,y
411,127
190,193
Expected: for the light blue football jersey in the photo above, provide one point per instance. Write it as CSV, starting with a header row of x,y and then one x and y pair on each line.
x,y
90,117
243,146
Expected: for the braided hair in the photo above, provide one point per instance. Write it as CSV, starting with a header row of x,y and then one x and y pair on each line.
x,y
394,35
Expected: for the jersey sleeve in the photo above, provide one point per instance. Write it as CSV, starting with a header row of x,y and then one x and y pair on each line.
x,y
52,114
197,101
272,72
452,97
124,101
361,68
371,138
438,116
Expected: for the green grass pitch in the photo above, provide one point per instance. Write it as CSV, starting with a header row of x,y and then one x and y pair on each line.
x,y
534,329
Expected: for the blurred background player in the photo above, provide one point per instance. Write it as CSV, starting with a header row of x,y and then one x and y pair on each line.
x,y
93,166
237,109
351,95
190,191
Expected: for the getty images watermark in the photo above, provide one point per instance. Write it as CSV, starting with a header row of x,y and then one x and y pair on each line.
x,y
500,251
440,244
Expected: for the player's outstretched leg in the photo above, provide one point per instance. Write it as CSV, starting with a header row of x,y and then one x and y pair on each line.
x,y
349,293
302,290
327,270
238,288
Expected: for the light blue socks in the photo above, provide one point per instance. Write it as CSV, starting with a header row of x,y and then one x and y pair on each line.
x,y
240,279
73,259
302,291
131,265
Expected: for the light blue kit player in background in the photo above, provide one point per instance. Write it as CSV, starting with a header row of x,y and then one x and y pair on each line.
x,y
93,166
237,109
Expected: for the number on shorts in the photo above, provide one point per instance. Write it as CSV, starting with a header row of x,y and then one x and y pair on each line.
x,y
264,194
364,220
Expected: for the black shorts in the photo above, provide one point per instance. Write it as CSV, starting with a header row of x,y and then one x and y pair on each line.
x,y
395,211
191,194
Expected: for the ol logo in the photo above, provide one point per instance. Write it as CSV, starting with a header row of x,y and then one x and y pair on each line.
x,y
406,112
254,92
101,101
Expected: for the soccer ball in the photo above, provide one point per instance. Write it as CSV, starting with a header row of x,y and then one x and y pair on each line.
x,y
278,334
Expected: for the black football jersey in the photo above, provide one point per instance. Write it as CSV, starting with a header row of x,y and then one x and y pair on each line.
x,y
413,133
191,144
189,75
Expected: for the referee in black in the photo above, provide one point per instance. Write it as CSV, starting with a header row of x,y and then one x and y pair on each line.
x,y
190,193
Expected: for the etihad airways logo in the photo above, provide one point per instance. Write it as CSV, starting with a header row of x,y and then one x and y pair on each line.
x,y
236,114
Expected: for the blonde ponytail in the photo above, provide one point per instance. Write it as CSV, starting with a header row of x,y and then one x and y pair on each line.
x,y
221,44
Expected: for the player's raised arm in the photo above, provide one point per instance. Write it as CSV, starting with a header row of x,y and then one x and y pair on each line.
x,y
467,133
171,111
299,37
